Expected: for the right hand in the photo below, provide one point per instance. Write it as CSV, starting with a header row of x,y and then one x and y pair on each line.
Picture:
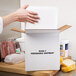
x,y
24,15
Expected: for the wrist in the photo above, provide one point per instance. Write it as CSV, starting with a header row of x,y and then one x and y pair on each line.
x,y
8,19
13,17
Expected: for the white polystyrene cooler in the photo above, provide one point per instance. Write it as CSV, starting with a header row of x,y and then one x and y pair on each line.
x,y
42,44
48,18
42,51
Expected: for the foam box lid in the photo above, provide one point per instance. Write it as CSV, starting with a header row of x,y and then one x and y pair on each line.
x,y
48,18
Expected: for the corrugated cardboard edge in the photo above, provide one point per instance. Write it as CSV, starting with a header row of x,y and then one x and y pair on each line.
x,y
63,28
17,30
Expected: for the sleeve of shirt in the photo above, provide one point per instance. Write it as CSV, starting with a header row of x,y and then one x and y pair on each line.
x,y
1,25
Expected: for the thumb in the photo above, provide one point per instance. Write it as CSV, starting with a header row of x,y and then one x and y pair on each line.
x,y
24,7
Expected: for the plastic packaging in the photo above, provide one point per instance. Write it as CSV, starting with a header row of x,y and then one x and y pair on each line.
x,y
15,58
22,44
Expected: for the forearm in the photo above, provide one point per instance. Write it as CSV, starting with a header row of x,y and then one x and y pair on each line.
x,y
9,19
21,15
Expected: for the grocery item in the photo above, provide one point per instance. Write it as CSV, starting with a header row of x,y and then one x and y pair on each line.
x,y
7,47
61,59
62,53
11,47
4,50
68,65
68,69
18,48
0,55
64,48
14,58
22,44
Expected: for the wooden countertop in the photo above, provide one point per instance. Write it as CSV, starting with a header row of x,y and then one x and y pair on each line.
x,y
20,69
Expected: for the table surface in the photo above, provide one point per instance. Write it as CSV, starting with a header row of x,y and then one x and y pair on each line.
x,y
73,73
20,69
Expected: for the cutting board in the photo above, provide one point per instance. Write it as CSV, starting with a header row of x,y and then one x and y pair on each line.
x,y
20,69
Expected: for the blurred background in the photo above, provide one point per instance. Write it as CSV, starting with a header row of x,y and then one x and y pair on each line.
x,y
6,7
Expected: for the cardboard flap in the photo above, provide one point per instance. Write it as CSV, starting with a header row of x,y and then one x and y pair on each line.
x,y
63,28
17,30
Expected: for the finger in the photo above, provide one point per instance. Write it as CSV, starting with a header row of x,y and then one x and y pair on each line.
x,y
28,20
32,19
21,20
33,16
33,13
24,7
24,20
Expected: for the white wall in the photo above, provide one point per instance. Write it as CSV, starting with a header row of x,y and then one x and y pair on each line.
x,y
67,15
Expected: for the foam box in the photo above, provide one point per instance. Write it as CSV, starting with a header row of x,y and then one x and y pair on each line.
x,y
48,18
42,51
42,41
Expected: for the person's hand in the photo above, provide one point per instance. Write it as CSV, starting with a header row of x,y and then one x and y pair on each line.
x,y
23,15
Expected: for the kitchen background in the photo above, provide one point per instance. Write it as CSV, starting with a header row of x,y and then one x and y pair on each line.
x,y
6,7
67,15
